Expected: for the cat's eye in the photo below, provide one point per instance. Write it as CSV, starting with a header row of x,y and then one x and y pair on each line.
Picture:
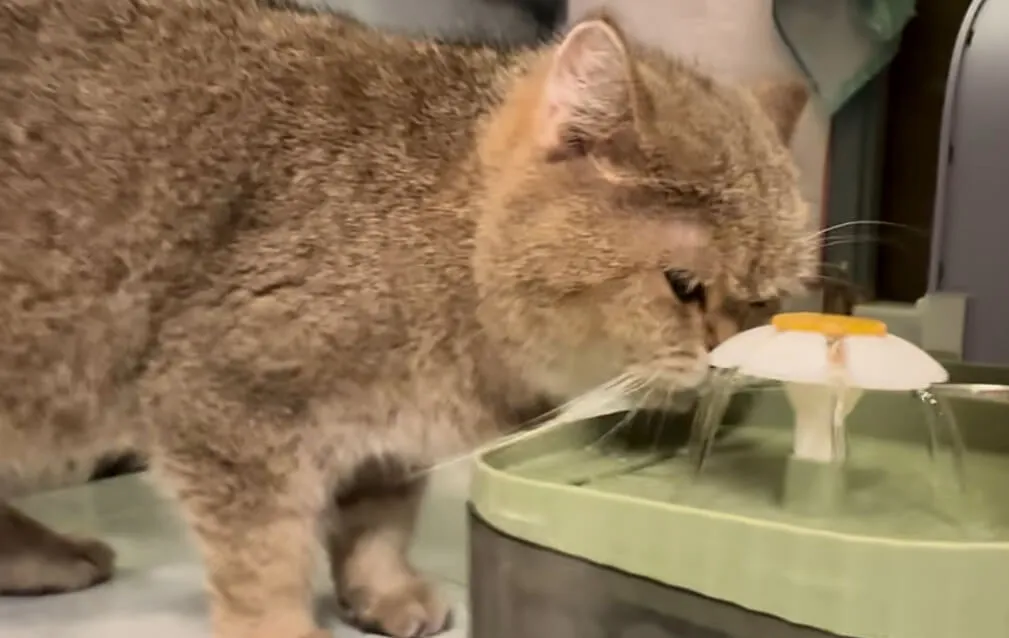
x,y
686,288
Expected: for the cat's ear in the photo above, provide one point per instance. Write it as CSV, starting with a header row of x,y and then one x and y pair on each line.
x,y
783,102
589,91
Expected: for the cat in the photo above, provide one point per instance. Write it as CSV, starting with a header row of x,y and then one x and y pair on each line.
x,y
295,261
487,22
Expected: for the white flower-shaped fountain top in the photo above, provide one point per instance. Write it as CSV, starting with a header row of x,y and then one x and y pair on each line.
x,y
825,361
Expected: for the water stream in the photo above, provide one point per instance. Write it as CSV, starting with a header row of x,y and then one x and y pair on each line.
x,y
710,413
941,424
945,444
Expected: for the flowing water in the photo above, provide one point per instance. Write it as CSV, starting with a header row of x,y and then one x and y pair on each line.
x,y
945,444
941,424
710,413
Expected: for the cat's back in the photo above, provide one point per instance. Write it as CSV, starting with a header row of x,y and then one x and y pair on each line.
x,y
134,126
112,59
142,141
114,108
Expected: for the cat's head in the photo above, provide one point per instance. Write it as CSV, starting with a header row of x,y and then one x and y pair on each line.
x,y
634,213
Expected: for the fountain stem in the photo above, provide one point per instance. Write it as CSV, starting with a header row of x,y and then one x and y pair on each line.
x,y
820,413
825,362
814,474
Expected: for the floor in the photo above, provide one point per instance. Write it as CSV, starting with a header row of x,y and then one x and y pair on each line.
x,y
157,591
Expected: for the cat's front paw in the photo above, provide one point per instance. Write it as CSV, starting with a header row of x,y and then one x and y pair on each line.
x,y
413,610
62,564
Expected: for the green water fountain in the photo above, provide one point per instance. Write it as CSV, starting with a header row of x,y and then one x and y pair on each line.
x,y
823,488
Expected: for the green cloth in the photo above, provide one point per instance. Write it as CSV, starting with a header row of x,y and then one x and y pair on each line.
x,y
841,44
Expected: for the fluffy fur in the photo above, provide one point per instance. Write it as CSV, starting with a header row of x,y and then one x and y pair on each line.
x,y
294,261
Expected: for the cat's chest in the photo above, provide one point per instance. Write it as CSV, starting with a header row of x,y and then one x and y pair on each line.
x,y
424,419
576,372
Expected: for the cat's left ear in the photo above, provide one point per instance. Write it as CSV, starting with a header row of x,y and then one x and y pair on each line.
x,y
783,102
589,89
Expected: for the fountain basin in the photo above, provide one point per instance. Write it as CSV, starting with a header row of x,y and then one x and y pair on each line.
x,y
898,552
987,391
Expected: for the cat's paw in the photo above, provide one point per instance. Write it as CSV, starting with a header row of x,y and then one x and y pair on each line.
x,y
414,610
240,630
54,565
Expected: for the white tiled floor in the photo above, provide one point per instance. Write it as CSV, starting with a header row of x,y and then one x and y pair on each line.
x,y
157,590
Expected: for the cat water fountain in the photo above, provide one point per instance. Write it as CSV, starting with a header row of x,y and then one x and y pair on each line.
x,y
825,363
822,489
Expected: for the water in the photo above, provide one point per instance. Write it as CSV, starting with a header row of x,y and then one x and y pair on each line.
x,y
837,356
710,413
945,444
940,421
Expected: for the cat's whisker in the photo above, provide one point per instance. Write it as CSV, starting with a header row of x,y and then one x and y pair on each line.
x,y
603,398
820,242
613,396
865,222
843,241
625,421
660,426
628,416
599,400
830,279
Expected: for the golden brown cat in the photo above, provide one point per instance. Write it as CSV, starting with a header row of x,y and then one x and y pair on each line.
x,y
294,261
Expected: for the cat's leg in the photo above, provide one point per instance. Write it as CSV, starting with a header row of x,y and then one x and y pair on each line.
x,y
35,560
255,516
368,541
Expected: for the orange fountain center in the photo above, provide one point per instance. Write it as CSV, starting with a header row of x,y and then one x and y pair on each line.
x,y
829,325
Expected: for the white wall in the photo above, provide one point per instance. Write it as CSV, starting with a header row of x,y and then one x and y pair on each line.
x,y
733,39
